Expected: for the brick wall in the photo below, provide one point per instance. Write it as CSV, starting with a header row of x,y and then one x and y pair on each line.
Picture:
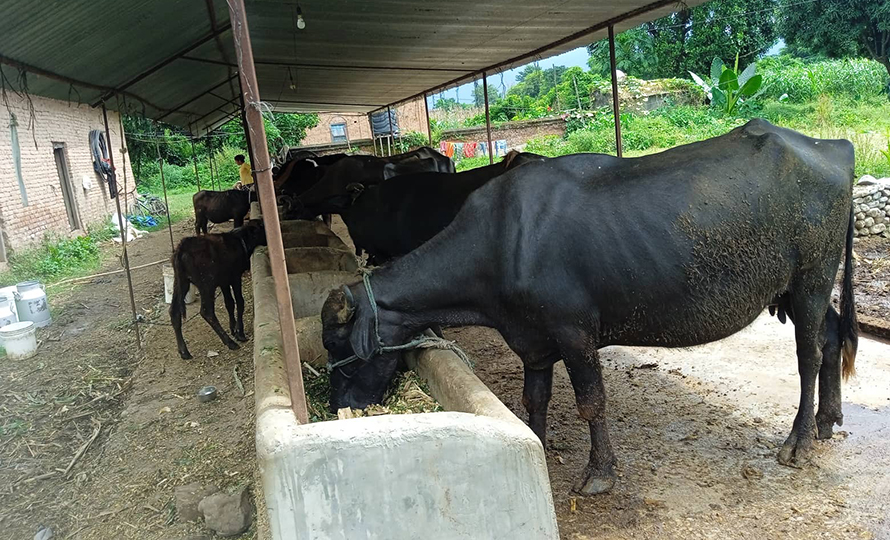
x,y
54,122
411,115
516,133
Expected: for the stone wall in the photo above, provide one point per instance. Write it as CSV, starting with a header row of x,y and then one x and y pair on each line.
x,y
871,202
56,124
515,133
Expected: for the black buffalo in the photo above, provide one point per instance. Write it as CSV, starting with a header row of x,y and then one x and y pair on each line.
x,y
676,249
314,181
394,217
220,207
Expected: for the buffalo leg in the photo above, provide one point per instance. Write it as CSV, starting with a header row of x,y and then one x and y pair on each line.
x,y
200,223
239,221
230,307
809,327
209,314
536,391
586,375
830,412
238,332
176,322
326,218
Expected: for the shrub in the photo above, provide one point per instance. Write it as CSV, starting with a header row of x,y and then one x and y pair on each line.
x,y
802,81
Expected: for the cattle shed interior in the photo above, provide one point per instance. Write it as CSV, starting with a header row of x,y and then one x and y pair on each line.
x,y
176,62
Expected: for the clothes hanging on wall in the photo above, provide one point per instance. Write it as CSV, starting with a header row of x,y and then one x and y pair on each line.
x,y
470,149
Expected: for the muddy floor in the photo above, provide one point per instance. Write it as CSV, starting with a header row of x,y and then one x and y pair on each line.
x,y
872,277
696,432
95,435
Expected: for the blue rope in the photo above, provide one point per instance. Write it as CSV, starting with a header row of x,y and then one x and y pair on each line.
x,y
422,342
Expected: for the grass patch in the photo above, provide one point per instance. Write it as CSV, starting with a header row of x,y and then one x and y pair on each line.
x,y
180,206
56,258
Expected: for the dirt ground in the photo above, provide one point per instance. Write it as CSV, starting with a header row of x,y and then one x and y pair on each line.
x,y
151,433
872,277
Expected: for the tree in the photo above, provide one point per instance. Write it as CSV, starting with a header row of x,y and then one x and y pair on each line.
x,y
841,29
479,94
534,82
282,129
689,39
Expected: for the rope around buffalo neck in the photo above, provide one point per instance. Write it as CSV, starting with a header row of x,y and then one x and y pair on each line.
x,y
422,342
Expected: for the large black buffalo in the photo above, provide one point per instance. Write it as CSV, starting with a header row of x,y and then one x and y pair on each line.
x,y
577,253
314,181
394,217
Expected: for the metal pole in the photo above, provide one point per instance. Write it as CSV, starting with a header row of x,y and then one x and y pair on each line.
x,y
124,159
487,117
429,127
392,133
244,53
166,203
210,160
195,162
246,131
615,107
123,230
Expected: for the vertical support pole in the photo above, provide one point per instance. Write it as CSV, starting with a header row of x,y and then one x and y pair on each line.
x,y
123,231
247,71
210,160
392,133
429,127
124,158
487,118
615,106
164,187
195,162
246,131
577,95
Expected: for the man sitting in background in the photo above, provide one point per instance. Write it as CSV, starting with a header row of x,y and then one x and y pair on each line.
x,y
244,174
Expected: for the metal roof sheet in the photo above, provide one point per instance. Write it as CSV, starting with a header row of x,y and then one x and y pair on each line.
x,y
175,61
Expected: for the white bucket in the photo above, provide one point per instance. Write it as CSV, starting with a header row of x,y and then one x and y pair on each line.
x,y
19,339
9,292
167,270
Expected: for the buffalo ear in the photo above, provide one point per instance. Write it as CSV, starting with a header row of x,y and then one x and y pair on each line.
x,y
355,189
347,310
364,337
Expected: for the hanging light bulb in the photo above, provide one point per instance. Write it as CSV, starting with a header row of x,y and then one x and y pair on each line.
x,y
301,24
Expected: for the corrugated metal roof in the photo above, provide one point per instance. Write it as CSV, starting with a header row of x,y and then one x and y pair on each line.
x,y
352,55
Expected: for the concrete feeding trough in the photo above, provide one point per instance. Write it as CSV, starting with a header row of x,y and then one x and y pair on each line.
x,y
474,471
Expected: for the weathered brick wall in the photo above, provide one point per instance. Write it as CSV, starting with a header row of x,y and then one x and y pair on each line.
x,y
516,133
411,115
54,122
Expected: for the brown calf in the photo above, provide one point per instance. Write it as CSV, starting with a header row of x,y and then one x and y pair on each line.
x,y
211,261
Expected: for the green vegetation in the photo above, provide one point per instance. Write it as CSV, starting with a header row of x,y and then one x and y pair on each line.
x,y
57,258
727,86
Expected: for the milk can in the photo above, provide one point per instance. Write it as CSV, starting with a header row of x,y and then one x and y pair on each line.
x,y
9,293
31,304
7,316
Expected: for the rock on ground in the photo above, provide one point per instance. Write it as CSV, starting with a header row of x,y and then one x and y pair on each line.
x,y
227,515
188,497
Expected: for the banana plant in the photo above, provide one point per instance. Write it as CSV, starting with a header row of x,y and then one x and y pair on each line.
x,y
728,88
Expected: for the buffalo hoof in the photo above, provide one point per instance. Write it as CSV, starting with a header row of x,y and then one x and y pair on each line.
x,y
185,355
796,451
240,337
595,483
232,345
825,424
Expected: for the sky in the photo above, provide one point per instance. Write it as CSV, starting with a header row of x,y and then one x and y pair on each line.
x,y
576,57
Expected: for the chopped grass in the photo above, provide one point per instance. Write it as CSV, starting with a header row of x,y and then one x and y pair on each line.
x,y
408,394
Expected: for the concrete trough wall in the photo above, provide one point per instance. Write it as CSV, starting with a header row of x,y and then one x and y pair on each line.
x,y
474,472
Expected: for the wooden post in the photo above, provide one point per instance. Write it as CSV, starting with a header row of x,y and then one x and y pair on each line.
x,y
616,112
210,160
263,171
487,118
164,187
577,95
123,229
429,127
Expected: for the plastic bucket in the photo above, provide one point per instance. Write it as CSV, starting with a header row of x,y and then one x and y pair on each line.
x,y
167,270
19,339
